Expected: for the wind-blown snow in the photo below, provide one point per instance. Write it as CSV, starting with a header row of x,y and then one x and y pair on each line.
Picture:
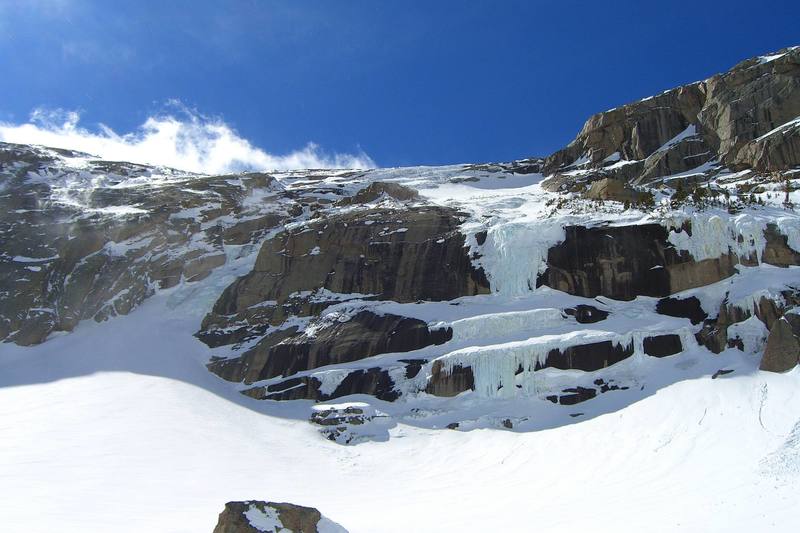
x,y
185,140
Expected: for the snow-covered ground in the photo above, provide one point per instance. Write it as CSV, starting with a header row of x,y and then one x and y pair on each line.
x,y
119,427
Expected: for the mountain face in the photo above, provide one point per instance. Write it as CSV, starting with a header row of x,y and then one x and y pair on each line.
x,y
663,234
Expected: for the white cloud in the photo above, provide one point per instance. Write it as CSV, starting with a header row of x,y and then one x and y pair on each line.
x,y
186,141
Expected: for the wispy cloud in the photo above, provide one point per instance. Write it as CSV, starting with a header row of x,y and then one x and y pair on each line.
x,y
95,53
183,139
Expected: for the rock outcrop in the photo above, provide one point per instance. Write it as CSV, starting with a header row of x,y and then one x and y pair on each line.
x,y
417,254
745,118
623,262
783,349
271,517
376,254
76,249
330,341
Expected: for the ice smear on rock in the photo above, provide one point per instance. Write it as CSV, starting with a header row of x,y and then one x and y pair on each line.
x,y
516,253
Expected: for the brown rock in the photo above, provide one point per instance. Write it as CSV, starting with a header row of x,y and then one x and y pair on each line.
x,y
292,517
364,335
613,189
452,383
783,349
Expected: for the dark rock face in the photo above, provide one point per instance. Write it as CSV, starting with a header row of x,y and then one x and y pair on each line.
x,y
777,151
404,256
748,102
576,395
628,261
587,357
299,388
364,335
335,417
452,383
683,308
662,345
234,519
625,262
586,314
783,349
414,255
372,381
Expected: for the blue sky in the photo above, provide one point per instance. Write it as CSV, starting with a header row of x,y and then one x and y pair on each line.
x,y
404,82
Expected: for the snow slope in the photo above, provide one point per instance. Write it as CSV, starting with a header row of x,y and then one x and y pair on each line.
x,y
119,426
128,432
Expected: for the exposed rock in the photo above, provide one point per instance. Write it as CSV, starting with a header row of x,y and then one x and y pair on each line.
x,y
335,417
443,383
783,349
777,251
714,334
586,314
628,261
634,131
260,517
683,308
581,394
587,357
379,189
329,341
416,254
613,189
298,388
73,252
744,118
625,262
349,424
576,395
405,256
777,151
662,345
373,381
609,385
749,101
